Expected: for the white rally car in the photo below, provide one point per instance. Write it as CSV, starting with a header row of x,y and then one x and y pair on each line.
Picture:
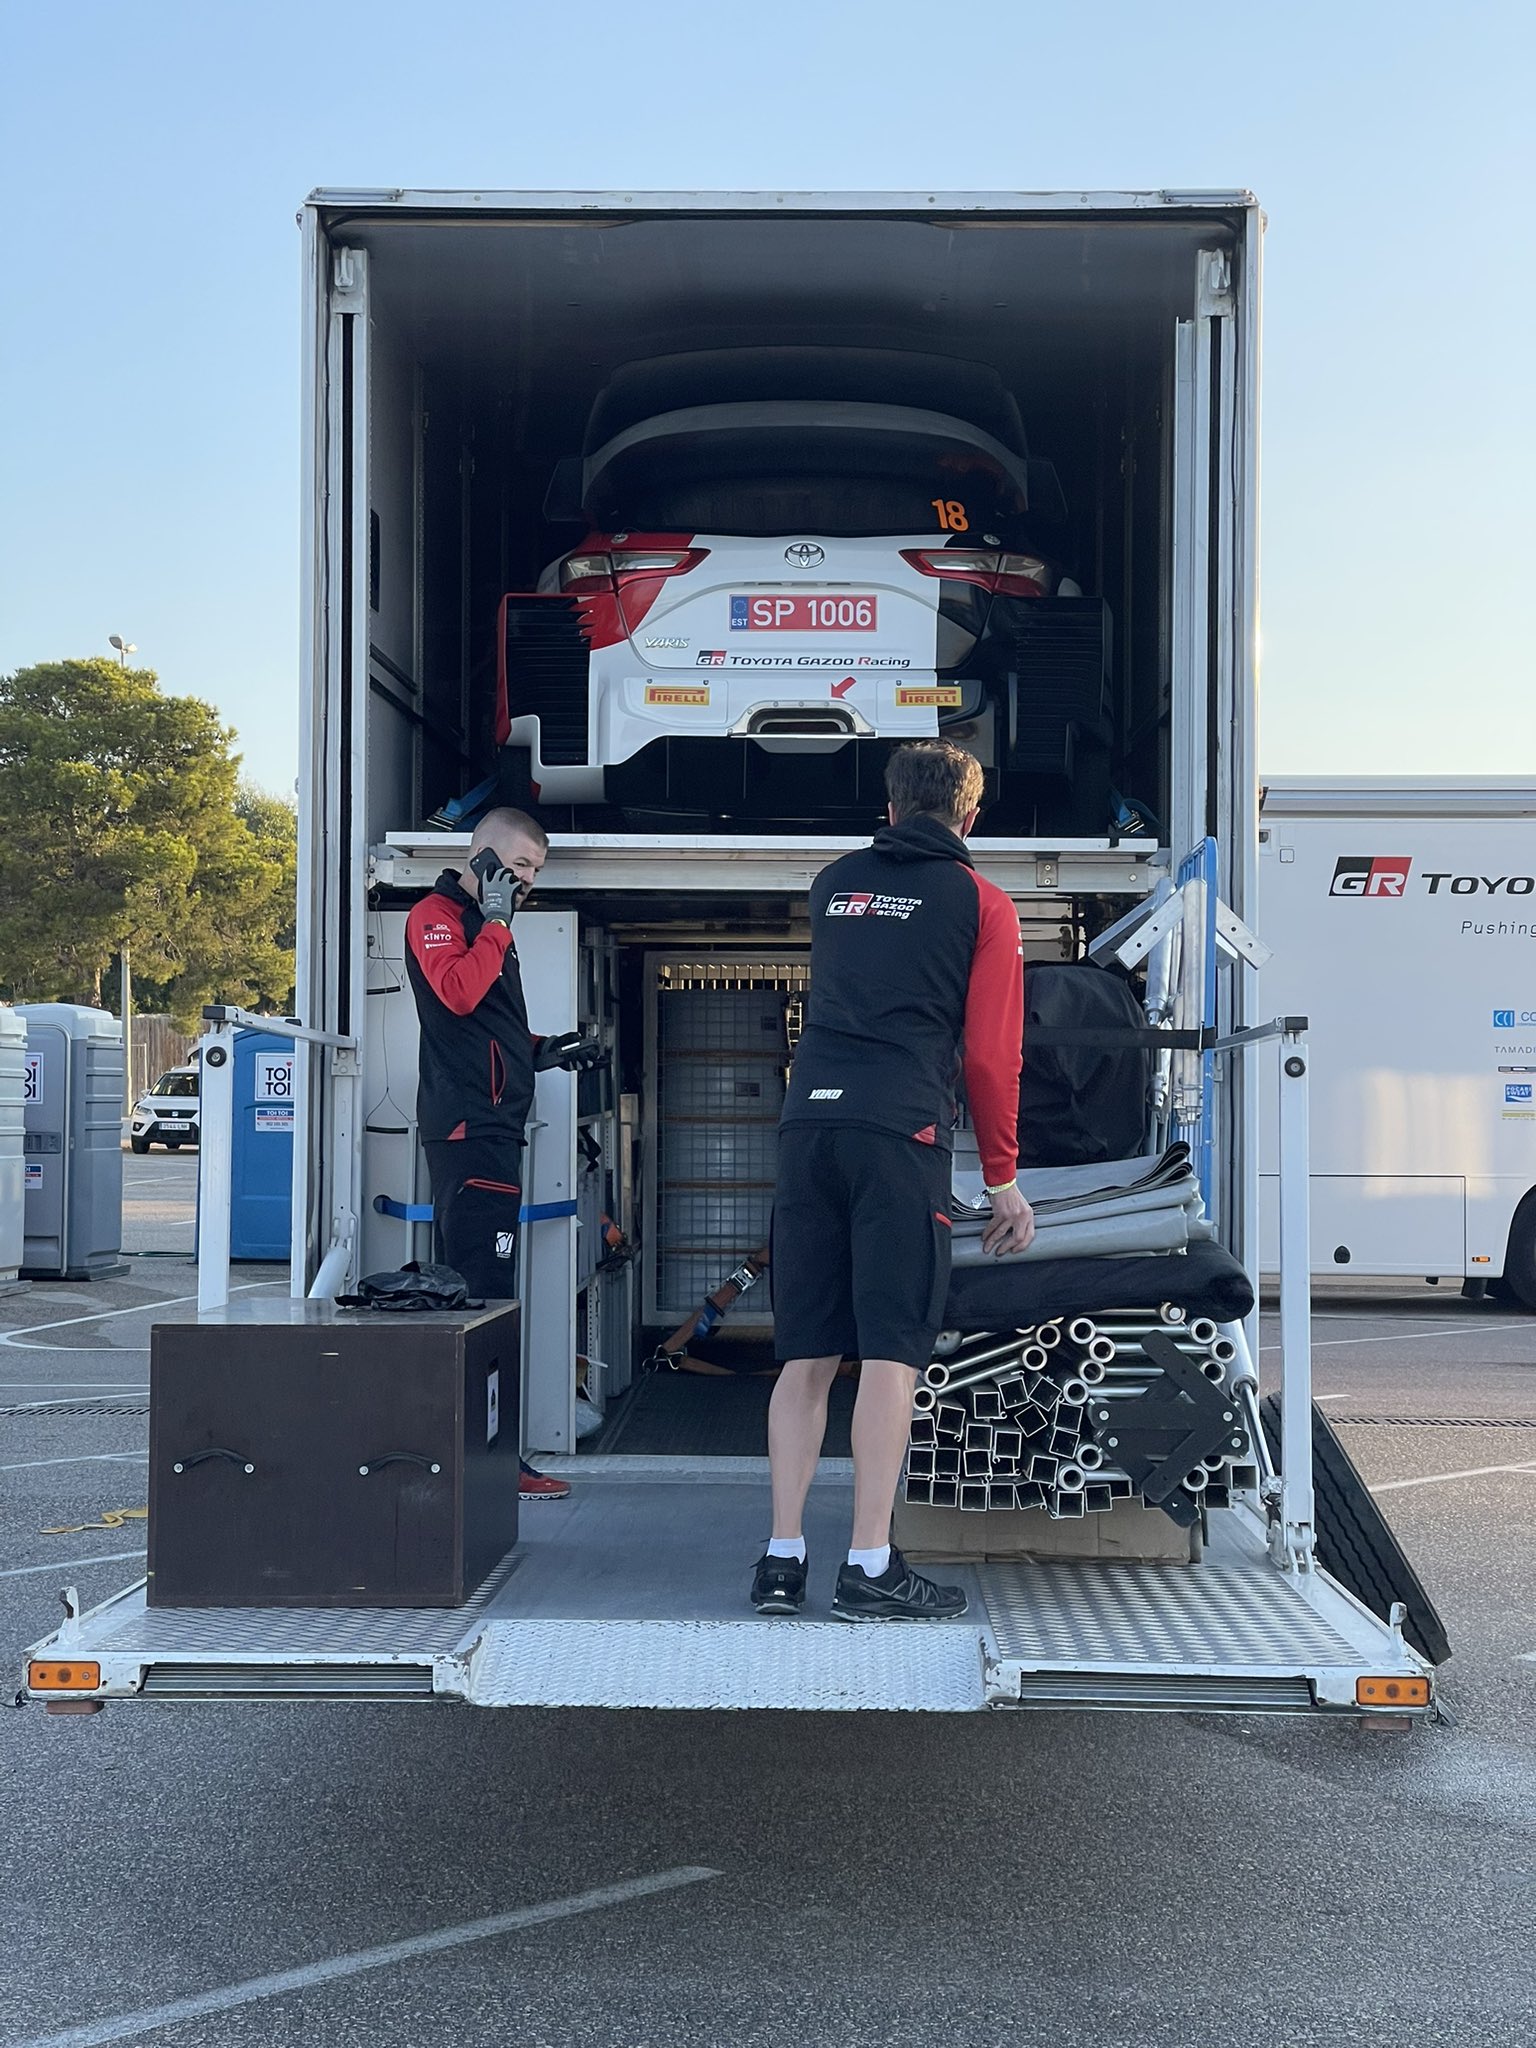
x,y
795,558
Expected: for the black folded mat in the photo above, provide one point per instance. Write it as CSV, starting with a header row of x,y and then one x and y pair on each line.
x,y
999,1295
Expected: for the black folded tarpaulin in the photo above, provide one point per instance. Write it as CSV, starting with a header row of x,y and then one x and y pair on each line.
x,y
1012,1295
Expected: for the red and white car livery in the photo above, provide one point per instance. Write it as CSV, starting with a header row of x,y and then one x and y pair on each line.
x,y
679,669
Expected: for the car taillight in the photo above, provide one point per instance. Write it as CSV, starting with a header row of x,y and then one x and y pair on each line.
x,y
598,571
1002,574
618,586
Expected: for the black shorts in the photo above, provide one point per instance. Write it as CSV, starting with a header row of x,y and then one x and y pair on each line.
x,y
476,1198
861,1245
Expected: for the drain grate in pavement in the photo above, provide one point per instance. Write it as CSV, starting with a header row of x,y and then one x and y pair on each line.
x,y
107,1405
1434,1421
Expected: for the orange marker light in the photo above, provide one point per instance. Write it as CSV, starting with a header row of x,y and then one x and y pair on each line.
x,y
63,1677
1391,1692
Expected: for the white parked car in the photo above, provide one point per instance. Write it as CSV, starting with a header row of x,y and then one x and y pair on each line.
x,y
793,559
168,1114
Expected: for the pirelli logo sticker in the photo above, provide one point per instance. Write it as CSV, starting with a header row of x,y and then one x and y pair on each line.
x,y
677,693
943,696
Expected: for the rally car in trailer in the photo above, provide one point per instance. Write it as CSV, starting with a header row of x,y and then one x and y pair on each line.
x,y
794,558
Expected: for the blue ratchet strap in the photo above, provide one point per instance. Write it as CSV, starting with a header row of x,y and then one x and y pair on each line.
x,y
422,1212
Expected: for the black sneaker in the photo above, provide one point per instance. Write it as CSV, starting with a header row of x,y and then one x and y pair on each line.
x,y
899,1594
778,1585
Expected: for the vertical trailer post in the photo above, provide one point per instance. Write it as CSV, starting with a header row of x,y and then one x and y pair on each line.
x,y
216,1144
1296,1499
215,1150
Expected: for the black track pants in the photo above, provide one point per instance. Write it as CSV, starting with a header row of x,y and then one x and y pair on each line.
x,y
476,1195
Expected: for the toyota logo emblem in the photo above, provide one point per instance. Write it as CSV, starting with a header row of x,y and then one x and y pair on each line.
x,y
805,555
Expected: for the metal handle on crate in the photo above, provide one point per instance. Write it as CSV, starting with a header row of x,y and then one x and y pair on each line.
x,y
200,1457
397,1458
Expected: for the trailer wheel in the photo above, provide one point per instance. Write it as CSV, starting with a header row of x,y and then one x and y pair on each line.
x,y
1355,1543
1520,1254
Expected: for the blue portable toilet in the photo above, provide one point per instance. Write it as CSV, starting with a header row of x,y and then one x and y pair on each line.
x,y
261,1166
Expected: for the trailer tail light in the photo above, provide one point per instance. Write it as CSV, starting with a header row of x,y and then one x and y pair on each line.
x,y
57,1677
1391,1692
1002,575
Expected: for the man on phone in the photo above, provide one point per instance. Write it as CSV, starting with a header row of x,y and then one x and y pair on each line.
x,y
479,1059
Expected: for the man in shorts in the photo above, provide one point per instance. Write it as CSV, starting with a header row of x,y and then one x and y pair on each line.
x,y
915,973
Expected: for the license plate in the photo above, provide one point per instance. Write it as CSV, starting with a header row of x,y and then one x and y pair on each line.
x,y
805,612
167,1125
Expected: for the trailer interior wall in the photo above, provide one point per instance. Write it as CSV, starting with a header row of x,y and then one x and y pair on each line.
x,y
488,339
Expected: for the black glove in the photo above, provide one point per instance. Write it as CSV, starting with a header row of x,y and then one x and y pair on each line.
x,y
570,1050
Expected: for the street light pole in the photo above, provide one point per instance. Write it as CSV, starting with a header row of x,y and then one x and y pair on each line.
x,y
125,992
124,965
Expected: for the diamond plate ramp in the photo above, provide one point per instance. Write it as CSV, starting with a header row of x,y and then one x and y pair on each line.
x,y
1199,1616
814,1666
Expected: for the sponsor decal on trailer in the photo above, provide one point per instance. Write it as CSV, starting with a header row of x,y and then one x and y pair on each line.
x,y
1370,875
677,693
1513,1020
1517,1091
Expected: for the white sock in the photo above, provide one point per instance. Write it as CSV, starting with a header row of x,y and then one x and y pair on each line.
x,y
787,1546
875,1562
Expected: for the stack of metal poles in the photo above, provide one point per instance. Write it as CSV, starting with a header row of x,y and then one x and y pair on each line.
x,y
1000,1418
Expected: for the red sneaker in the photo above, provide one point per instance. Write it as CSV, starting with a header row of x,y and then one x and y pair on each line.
x,y
533,1485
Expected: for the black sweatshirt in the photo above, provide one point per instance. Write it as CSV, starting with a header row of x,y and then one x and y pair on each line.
x,y
915,969
476,1063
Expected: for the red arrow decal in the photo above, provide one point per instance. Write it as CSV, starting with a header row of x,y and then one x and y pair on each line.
x,y
841,689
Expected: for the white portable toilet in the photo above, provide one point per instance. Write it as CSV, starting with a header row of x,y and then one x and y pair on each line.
x,y
74,1142
13,1126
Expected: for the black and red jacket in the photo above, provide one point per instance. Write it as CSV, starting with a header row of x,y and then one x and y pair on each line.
x,y
915,971
476,1063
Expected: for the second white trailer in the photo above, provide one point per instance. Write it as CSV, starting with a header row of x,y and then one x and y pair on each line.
x,y
1403,920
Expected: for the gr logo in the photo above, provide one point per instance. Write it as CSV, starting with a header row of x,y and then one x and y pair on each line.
x,y
851,903
1368,875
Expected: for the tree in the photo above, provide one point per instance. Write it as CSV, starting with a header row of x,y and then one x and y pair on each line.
x,y
125,821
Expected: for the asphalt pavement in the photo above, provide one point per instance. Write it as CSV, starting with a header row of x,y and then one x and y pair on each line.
x,y
393,1876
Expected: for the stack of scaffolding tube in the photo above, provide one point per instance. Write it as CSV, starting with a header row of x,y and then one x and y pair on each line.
x,y
999,1418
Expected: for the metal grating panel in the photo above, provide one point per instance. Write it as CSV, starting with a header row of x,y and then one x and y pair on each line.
x,y
1139,1614
1188,1693
172,1681
818,1666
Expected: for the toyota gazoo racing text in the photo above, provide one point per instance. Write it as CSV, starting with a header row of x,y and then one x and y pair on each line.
x,y
793,559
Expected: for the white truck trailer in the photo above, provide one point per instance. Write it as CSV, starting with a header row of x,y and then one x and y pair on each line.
x,y
1402,914
455,343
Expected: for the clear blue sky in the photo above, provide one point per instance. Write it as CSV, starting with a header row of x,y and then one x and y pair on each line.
x,y
157,152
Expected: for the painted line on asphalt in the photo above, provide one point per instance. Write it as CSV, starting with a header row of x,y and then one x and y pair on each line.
x,y
97,2032
1443,1478
70,1564
117,1386
87,1458
1405,1336
103,1315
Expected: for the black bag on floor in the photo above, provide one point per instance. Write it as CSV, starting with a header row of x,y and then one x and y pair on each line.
x,y
1081,1105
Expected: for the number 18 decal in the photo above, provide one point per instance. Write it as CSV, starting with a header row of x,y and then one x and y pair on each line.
x,y
951,513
